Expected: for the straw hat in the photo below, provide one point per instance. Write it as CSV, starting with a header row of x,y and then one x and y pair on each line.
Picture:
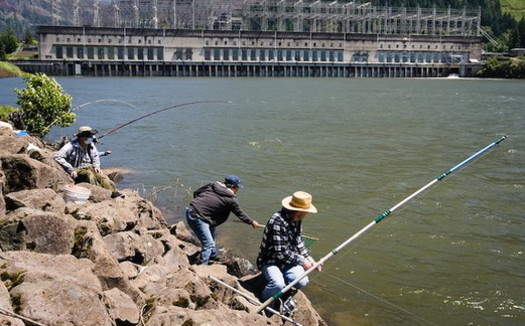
x,y
300,201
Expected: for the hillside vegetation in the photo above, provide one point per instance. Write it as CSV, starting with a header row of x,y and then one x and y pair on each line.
x,y
514,7
9,70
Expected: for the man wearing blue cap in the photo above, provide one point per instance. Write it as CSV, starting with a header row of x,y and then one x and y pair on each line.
x,y
210,207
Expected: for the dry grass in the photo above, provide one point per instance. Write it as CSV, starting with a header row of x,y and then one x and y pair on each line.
x,y
9,70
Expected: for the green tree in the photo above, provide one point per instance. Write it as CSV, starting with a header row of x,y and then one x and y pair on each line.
x,y
2,50
9,40
514,38
28,36
521,29
43,104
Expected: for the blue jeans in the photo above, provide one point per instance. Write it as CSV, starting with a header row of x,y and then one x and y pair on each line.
x,y
206,235
278,279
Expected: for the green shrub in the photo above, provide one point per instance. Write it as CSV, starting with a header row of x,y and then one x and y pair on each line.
x,y
43,104
5,111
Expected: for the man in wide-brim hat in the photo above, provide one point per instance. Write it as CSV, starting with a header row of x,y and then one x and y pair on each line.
x,y
283,256
80,158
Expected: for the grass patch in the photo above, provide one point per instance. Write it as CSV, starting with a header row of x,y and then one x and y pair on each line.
x,y
23,55
514,7
10,70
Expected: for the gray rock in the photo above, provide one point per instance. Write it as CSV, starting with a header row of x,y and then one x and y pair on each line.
x,y
139,249
24,173
32,229
121,307
54,289
44,199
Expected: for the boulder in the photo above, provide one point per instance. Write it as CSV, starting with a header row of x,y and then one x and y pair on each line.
x,y
166,316
89,244
110,216
54,289
119,214
2,185
36,230
130,246
6,319
7,316
43,199
121,308
12,144
2,206
24,173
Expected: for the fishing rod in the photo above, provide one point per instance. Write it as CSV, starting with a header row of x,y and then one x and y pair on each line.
x,y
377,220
102,100
252,300
155,112
84,104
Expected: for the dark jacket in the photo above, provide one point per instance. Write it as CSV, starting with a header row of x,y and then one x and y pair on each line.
x,y
213,203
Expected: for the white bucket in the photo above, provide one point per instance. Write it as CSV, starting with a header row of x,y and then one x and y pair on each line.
x,y
76,194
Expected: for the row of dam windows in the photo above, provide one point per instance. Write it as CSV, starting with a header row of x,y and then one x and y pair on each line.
x,y
261,54
210,54
118,40
109,53
421,57
269,55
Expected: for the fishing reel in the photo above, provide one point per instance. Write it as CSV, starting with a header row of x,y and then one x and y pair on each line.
x,y
288,306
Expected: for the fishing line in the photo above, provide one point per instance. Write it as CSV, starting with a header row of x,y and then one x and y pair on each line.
x,y
378,219
359,241
419,196
382,300
102,100
157,111
87,103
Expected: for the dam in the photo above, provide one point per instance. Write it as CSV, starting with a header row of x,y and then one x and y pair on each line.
x,y
275,39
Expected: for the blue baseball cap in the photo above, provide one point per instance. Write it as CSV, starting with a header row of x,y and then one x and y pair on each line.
x,y
233,180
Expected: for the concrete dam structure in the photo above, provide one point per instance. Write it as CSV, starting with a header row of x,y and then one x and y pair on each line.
x,y
269,39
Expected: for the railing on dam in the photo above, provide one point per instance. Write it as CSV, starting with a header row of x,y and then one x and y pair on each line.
x,y
240,69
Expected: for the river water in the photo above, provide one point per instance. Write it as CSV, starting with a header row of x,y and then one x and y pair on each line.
x,y
454,255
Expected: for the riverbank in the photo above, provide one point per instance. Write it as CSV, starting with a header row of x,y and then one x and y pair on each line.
x,y
8,69
107,261
503,67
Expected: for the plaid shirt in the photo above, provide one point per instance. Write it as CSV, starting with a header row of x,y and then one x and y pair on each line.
x,y
71,156
282,243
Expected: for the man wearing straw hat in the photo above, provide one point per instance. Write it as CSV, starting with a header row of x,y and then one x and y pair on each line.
x,y
80,158
283,256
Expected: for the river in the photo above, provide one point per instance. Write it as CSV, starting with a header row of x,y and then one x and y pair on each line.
x,y
454,255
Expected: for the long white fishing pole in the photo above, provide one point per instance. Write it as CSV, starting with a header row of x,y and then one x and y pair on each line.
x,y
377,220
253,300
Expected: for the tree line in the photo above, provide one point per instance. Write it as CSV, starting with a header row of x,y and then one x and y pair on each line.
x,y
9,42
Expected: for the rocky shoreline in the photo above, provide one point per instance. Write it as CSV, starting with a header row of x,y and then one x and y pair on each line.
x,y
107,261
